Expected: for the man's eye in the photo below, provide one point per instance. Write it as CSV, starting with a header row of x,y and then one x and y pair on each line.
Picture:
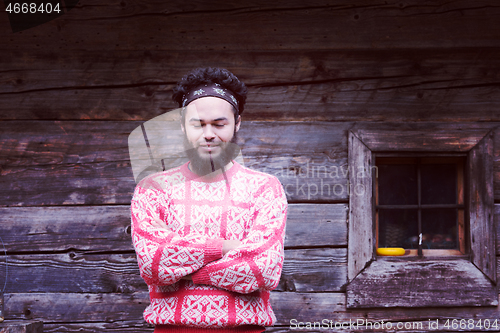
x,y
219,125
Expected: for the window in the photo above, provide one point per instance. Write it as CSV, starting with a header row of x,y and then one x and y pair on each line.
x,y
419,204
468,279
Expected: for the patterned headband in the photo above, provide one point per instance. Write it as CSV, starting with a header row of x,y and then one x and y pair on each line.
x,y
213,90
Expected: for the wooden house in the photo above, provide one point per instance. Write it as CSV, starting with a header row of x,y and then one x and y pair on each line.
x,y
337,90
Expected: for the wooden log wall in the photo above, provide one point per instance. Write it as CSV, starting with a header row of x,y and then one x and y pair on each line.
x,y
72,90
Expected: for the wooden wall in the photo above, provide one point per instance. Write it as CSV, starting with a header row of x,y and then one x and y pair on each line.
x,y
73,89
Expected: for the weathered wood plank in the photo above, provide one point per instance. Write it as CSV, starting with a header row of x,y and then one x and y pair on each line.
x,y
40,143
496,222
436,283
346,85
290,101
56,163
373,326
64,142
309,172
480,204
94,228
107,228
318,306
74,273
31,326
318,270
423,137
316,225
360,243
115,326
26,70
76,307
108,310
362,325
67,184
304,270
280,25
426,137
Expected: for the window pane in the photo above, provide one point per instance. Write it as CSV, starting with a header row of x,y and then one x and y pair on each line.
x,y
398,228
397,184
439,183
439,228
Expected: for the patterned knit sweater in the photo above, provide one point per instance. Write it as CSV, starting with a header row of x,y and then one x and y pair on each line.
x,y
178,225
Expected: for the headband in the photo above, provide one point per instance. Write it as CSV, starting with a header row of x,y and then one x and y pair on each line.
x,y
213,90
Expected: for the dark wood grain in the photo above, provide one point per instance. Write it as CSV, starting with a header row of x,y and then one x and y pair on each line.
x,y
401,69
428,137
94,312
85,228
56,163
94,327
374,326
431,283
288,101
45,143
314,270
360,244
69,167
265,26
423,137
480,203
496,223
316,225
107,228
76,307
33,143
338,85
84,308
67,184
75,272
310,307
32,326
304,270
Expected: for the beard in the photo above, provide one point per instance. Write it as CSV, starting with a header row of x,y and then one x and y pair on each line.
x,y
205,165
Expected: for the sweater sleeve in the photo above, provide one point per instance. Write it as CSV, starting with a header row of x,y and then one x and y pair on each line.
x,y
163,255
257,263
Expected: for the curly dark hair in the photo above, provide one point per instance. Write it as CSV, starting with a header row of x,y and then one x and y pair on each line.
x,y
225,78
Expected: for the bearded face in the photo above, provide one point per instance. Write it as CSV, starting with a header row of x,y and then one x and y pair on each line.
x,y
203,164
210,134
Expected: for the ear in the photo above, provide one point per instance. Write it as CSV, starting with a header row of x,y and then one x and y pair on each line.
x,y
237,124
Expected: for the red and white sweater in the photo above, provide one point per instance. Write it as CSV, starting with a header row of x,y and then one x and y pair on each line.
x,y
178,225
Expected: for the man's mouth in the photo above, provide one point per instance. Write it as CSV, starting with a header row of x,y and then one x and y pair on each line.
x,y
209,147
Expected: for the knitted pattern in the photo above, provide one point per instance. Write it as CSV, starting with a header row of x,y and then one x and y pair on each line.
x,y
178,225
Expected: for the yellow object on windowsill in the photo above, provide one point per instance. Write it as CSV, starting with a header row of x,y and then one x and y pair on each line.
x,y
390,251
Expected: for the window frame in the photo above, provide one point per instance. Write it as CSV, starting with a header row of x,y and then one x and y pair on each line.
x,y
428,281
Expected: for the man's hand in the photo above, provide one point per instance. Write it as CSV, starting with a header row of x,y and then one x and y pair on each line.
x,y
157,223
229,245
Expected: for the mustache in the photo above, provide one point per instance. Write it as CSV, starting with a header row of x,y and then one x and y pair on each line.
x,y
203,166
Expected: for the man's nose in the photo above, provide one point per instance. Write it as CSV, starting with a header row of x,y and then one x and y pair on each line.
x,y
208,132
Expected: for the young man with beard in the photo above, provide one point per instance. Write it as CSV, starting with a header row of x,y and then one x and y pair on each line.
x,y
209,234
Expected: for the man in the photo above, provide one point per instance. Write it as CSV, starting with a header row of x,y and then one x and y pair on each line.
x,y
209,234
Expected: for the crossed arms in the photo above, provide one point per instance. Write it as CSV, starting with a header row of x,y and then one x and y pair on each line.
x,y
243,266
